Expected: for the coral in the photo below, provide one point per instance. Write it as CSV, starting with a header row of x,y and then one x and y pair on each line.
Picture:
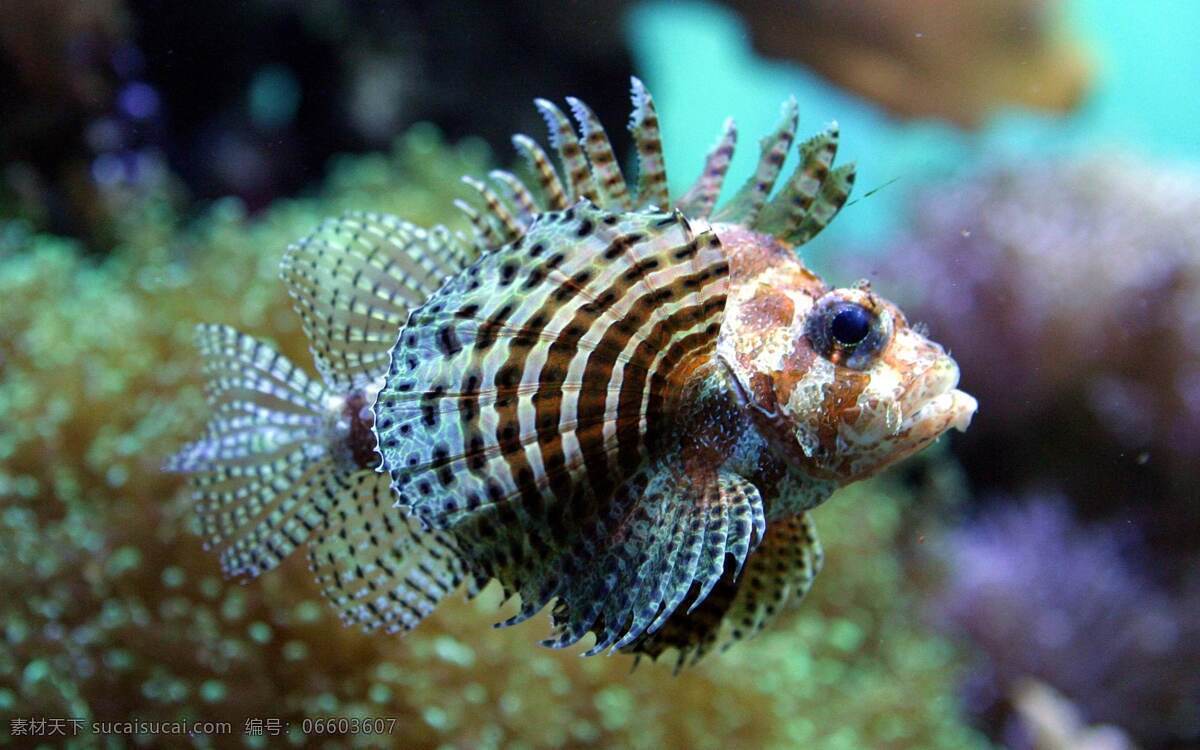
x,y
112,610
1049,722
1042,596
1069,293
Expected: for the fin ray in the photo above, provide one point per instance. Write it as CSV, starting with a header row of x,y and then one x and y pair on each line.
x,y
778,573
744,206
702,196
652,171
377,567
606,171
257,487
353,281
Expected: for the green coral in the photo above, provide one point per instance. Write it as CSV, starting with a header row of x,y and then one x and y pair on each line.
x,y
112,610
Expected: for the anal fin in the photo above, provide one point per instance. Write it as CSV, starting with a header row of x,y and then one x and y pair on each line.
x,y
375,564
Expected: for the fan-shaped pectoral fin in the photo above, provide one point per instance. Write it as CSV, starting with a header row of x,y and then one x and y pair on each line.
x,y
780,571
673,541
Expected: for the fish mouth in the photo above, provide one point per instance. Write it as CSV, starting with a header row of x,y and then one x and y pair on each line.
x,y
934,403
951,409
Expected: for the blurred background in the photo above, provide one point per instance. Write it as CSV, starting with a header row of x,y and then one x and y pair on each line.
x,y
1029,187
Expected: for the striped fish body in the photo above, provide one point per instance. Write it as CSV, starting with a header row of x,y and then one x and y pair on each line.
x,y
540,381
614,403
546,367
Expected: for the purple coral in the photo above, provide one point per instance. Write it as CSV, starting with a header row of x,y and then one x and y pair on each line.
x,y
1038,276
1069,293
1041,596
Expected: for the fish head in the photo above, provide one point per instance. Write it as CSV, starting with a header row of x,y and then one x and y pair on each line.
x,y
835,378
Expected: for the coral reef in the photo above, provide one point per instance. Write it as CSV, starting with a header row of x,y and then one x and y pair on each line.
x,y
112,610
1069,292
1081,618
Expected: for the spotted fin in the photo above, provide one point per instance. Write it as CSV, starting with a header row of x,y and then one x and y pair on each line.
x,y
778,573
375,564
746,203
265,472
700,198
353,282
276,468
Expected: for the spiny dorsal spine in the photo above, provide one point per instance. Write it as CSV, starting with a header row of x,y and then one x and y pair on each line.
x,y
810,198
609,180
701,197
743,208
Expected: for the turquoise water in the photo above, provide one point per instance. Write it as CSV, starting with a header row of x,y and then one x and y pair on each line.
x,y
1143,100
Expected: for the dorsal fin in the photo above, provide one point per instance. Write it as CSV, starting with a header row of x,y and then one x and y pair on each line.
x,y
552,187
353,281
811,198
744,206
835,190
518,193
652,170
507,227
610,183
702,196
788,209
575,163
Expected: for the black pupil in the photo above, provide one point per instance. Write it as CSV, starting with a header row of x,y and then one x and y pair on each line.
x,y
851,325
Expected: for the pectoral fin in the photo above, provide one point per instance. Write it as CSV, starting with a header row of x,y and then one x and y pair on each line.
x,y
778,572
676,538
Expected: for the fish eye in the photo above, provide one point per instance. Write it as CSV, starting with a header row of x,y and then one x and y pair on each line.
x,y
850,325
846,332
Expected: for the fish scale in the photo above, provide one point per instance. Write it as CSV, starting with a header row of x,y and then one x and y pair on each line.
x,y
611,413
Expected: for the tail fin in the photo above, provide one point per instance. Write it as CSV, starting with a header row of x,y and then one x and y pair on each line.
x,y
263,473
275,470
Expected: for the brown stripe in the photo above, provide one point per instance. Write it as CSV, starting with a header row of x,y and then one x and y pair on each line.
x,y
633,388
547,400
598,373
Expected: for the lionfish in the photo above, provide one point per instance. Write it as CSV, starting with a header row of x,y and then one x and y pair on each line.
x,y
614,402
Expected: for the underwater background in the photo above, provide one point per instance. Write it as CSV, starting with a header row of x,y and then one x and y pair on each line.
x,y
1029,187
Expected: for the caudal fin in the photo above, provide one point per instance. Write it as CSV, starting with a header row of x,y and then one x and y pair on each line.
x,y
263,474
273,471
